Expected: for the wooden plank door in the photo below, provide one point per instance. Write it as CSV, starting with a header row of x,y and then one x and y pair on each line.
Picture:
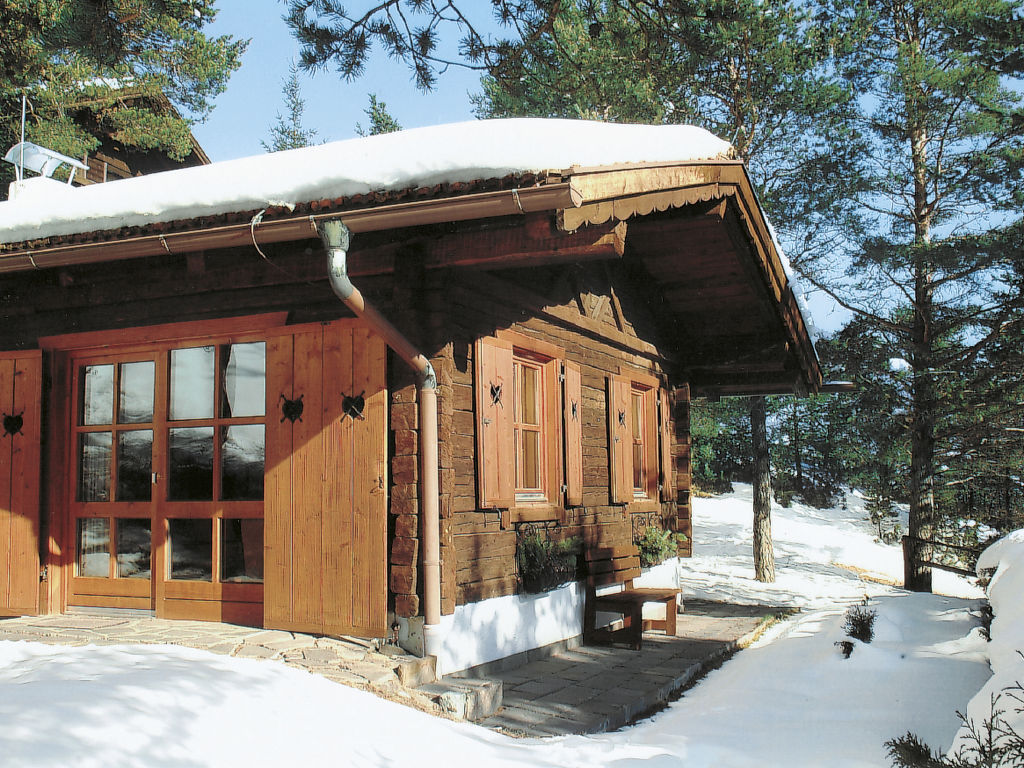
x,y
20,392
326,481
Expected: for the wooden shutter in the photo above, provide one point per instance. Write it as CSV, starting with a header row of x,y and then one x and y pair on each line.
x,y
572,418
665,440
494,427
325,542
620,441
20,393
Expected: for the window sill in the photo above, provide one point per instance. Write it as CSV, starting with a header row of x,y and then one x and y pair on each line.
x,y
643,505
533,513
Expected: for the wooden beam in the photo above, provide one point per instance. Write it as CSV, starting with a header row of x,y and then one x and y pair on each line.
x,y
702,293
418,213
746,387
195,263
515,247
721,369
606,183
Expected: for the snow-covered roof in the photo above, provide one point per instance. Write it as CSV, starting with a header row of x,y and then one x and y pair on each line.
x,y
459,152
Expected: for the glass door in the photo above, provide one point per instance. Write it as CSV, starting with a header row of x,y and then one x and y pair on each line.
x,y
209,517
113,445
168,448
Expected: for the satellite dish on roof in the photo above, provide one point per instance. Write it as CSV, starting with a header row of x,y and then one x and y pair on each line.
x,y
43,161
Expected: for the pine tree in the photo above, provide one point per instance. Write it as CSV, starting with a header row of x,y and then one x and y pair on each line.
x,y
945,160
381,120
288,132
592,65
112,67
872,436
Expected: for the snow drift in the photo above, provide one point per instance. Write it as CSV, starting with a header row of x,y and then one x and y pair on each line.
x,y
1004,560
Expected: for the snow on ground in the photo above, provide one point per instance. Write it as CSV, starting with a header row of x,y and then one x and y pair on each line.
x,y
789,700
818,555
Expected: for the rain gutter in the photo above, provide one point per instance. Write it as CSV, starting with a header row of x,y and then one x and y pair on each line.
x,y
480,205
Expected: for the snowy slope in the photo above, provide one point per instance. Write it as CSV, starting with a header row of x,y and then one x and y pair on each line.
x,y
821,556
790,700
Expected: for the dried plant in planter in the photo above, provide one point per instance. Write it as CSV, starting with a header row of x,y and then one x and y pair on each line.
x,y
655,545
545,564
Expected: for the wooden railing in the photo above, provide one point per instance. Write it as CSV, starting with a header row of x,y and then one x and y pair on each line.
x,y
910,548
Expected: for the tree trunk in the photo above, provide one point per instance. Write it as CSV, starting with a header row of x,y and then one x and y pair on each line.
x,y
921,524
798,459
764,555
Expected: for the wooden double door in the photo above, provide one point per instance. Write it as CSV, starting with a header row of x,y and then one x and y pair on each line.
x,y
167,451
238,478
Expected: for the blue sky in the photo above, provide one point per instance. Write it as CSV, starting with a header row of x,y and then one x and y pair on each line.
x,y
244,113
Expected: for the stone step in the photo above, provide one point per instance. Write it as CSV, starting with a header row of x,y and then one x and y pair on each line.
x,y
414,671
466,698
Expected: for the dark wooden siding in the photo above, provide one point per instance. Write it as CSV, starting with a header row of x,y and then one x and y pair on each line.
x,y
597,313
480,304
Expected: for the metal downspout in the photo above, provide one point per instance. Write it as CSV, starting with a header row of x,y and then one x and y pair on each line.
x,y
336,238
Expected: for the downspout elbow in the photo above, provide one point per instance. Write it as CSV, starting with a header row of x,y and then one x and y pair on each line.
x,y
426,376
336,238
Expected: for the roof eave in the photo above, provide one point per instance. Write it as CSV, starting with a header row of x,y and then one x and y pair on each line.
x,y
580,196
506,202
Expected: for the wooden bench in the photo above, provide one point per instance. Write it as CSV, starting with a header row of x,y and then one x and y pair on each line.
x,y
620,565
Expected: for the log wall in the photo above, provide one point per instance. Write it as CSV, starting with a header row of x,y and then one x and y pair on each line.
x,y
596,313
480,304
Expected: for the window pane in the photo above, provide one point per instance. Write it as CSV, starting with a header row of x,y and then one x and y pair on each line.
x,y
190,471
191,550
242,458
97,394
94,547
94,450
638,466
638,413
192,383
241,550
530,413
243,379
133,547
136,404
134,465
531,460
518,444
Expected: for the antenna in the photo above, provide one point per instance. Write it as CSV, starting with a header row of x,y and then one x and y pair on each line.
x,y
19,168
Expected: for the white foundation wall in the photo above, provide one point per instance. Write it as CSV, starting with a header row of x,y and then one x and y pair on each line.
x,y
504,626
492,629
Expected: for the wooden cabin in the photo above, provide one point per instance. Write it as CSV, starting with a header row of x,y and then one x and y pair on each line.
x,y
195,425
112,160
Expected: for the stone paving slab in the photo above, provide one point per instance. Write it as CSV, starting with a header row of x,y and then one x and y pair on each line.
x,y
605,688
